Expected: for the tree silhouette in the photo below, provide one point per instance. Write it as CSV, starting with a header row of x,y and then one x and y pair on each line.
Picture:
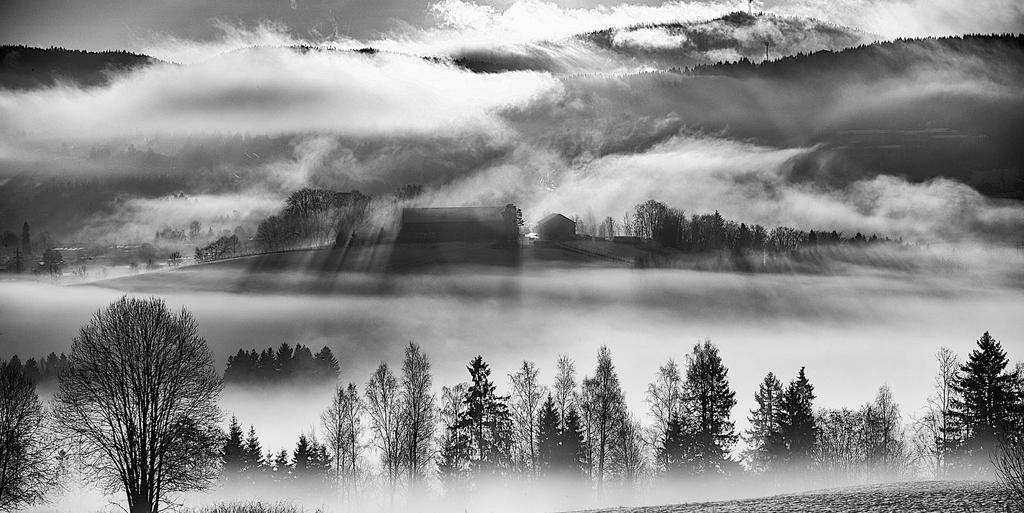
x,y
797,427
764,438
418,416
603,402
987,405
139,394
549,438
27,458
487,422
709,402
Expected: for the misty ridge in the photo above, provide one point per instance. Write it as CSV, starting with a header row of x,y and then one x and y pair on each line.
x,y
567,139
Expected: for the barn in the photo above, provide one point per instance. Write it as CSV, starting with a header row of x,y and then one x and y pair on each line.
x,y
556,227
453,224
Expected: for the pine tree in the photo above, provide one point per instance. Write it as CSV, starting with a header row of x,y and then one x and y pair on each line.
x,y
671,452
572,446
234,449
709,401
987,403
764,436
797,428
549,438
252,456
453,457
327,367
487,422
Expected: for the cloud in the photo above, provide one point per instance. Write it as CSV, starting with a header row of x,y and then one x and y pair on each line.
x,y
649,38
138,219
745,182
913,18
273,91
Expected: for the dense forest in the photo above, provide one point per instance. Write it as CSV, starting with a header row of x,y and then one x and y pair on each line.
x,y
397,434
24,67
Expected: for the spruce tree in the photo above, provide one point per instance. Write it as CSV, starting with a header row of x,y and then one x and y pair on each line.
x,y
986,404
671,451
764,436
572,446
797,428
327,367
548,438
252,456
487,422
234,449
709,401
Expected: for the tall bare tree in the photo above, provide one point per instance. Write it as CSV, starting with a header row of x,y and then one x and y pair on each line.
x,y
140,393
665,399
565,384
384,405
343,430
629,454
526,397
27,461
937,421
418,415
602,407
883,442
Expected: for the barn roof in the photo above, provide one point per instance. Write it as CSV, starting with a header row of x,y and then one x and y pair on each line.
x,y
452,215
554,217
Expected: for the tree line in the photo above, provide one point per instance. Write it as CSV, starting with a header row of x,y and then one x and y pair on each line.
x,y
655,221
152,438
312,217
287,363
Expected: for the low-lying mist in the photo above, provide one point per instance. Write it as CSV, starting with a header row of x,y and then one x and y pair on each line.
x,y
853,332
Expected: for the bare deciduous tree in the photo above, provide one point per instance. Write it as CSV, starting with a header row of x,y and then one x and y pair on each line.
x,y
27,461
602,404
418,415
665,399
384,405
526,396
1010,467
140,395
343,429
565,384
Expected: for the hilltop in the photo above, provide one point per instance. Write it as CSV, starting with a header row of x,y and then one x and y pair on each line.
x,y
24,67
732,37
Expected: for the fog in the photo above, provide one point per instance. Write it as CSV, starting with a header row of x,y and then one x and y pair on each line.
x,y
853,332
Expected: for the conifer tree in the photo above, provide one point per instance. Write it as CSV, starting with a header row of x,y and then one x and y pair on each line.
x,y
487,422
987,403
233,453
572,446
797,427
453,460
327,366
252,456
672,450
549,438
709,402
764,436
